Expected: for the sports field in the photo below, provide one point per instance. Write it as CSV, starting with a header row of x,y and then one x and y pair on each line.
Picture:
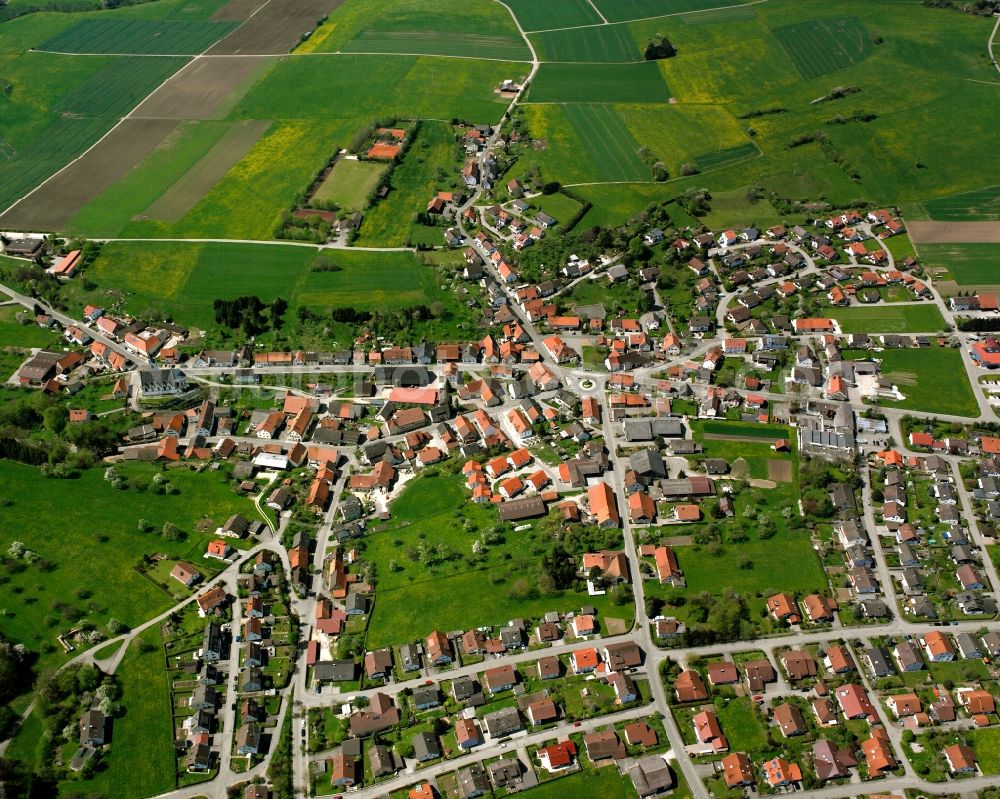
x,y
534,15
825,45
607,142
602,43
350,183
138,36
968,264
892,318
981,205
118,88
599,83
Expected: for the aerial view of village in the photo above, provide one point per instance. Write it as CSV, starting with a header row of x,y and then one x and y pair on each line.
x,y
437,399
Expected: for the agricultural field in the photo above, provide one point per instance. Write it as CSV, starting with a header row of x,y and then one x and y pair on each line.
x,y
249,200
889,318
137,36
624,10
917,373
599,83
118,88
423,27
686,134
558,206
535,16
439,514
980,205
62,141
968,264
325,87
351,183
91,574
607,142
109,212
229,150
825,45
183,280
604,43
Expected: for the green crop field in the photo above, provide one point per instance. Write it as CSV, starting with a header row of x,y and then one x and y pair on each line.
x,y
457,43
602,43
413,183
623,10
727,157
607,142
98,545
138,36
535,16
351,183
108,213
62,141
825,45
968,264
599,83
325,87
918,374
248,201
414,598
422,27
183,279
981,205
118,88
889,318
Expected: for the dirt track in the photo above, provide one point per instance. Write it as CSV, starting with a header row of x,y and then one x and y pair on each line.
x,y
954,232
55,203
275,29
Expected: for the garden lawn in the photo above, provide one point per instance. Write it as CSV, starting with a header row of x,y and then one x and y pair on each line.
x,y
412,598
14,334
925,318
987,746
606,783
919,374
67,529
968,264
741,724
351,183
145,734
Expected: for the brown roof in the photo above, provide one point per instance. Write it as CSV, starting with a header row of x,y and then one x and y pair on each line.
x,y
690,687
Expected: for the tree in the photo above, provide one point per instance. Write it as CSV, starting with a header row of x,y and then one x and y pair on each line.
x,y
659,48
